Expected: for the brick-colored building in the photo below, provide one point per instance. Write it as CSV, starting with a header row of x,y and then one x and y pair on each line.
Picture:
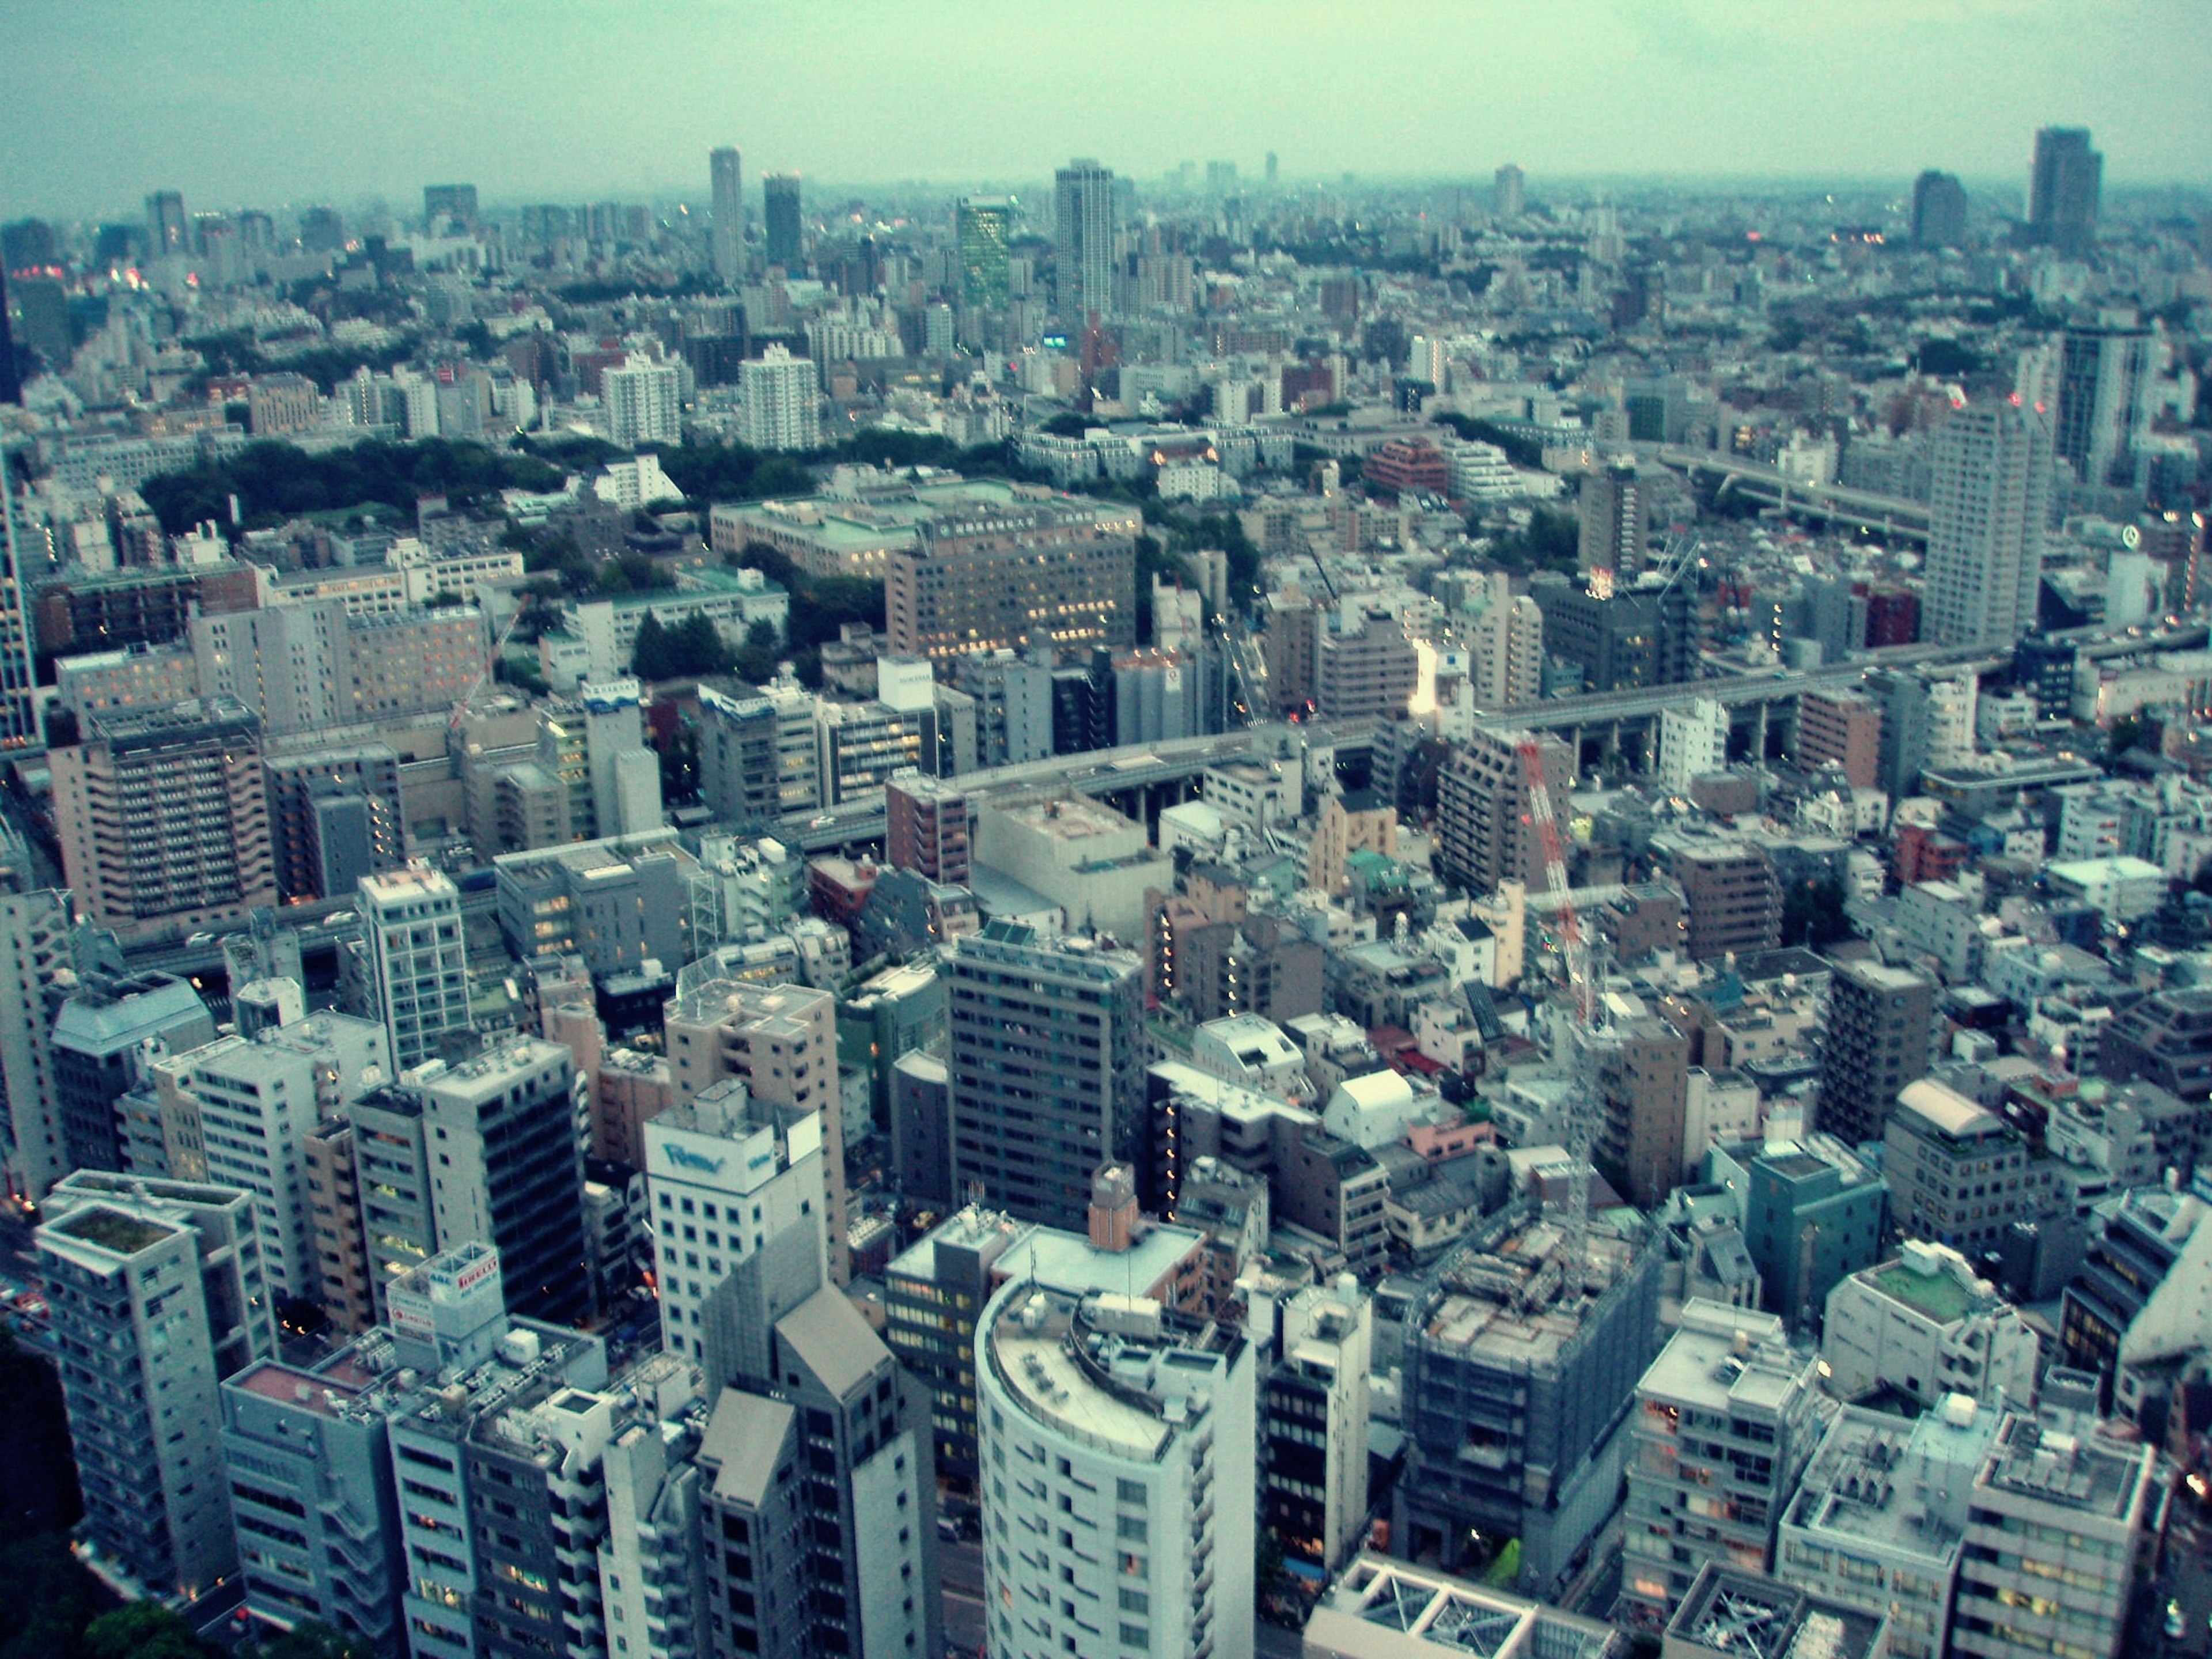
x,y
1050,572
1843,727
1733,897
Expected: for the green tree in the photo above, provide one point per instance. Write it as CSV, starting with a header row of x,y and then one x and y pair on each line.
x,y
648,658
40,1492
309,1639
47,1597
143,1630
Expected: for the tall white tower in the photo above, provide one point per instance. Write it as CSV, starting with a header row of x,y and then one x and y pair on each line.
x,y
418,958
729,245
1084,195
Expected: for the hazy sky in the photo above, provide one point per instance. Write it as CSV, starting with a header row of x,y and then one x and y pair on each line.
x,y
242,102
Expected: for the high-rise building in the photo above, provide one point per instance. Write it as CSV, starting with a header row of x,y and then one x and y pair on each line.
x,y
168,232
1957,1174
1047,1068
1643,1076
725,170
780,219
1483,832
333,816
1117,1422
11,392
1726,1419
2063,188
102,1035
505,1168
782,404
1842,728
1693,745
156,1295
1506,649
642,399
1086,223
162,817
2106,376
1939,210
455,201
1813,1212
1317,1346
724,1175
982,229
1047,573
1732,898
1615,510
417,958
780,1041
1880,1026
1987,516
1364,667
1508,192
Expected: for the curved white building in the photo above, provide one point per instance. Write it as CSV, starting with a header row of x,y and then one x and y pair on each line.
x,y
1117,1445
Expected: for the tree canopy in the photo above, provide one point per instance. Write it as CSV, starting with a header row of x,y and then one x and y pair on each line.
x,y
275,481
690,648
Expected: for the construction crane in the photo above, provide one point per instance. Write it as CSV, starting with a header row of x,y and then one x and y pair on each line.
x,y
477,685
1582,1033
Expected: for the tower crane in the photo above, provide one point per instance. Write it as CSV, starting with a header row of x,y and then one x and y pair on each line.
x,y
477,685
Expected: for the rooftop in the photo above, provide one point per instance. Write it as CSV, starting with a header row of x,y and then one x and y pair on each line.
x,y
113,1229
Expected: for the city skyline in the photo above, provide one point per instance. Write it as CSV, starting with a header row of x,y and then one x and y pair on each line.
x,y
1416,90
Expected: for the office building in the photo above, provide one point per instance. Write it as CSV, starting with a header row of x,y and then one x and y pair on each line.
x,y
456,203
781,222
1509,193
1957,1174
1518,1372
982,229
1137,1427
1725,1602
780,1042
168,232
505,1170
102,1035
1812,1211
156,1295
1987,516
312,1490
1881,1035
1725,1418
1643,1073
417,955
1086,225
725,171
617,903
1939,211
781,406
724,1175
1878,1520
162,817
1047,1069
1316,1348
1050,573
926,828
2057,1525
2107,375
1483,830
334,816
251,1104
2065,185
1364,667
2164,1039
331,1176
1615,513
642,401
35,949
1732,897
738,756
1923,1326
1620,641
1693,745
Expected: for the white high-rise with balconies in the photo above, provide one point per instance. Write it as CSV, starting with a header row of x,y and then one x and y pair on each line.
x,y
1988,511
643,400
782,405
1117,1449
417,958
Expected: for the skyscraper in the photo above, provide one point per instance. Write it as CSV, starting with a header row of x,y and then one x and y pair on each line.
x,y
1987,514
1047,1068
1508,192
642,402
167,230
1880,1021
1615,512
418,958
1084,223
780,191
1939,210
2105,375
455,201
981,226
726,169
11,389
2063,188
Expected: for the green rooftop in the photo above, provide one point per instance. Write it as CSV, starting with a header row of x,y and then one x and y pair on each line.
x,y
111,1230
1936,1296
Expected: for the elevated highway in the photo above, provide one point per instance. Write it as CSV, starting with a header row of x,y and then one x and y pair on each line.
x,y
1894,517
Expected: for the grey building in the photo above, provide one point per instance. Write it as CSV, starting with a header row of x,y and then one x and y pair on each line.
x,y
616,903
330,809
1047,1068
399,1222
98,1037
738,768
156,1293
1880,1025
1517,1382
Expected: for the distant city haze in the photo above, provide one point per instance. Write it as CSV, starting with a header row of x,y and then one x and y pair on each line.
x,y
270,101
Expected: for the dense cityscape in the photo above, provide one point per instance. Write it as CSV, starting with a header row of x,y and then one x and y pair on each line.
x,y
1240,910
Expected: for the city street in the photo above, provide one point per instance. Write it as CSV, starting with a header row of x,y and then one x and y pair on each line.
x,y
2185,1576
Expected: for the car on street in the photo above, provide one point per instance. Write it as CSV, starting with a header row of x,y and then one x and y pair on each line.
x,y
2174,1626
